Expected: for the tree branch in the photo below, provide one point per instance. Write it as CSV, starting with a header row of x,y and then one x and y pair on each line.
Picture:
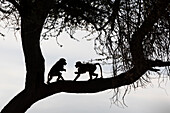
x,y
137,38
92,86
158,63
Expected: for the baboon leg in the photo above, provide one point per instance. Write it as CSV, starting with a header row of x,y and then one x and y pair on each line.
x,y
60,77
49,79
78,75
91,75
95,75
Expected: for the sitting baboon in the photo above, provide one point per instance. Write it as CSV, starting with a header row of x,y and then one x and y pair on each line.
x,y
55,70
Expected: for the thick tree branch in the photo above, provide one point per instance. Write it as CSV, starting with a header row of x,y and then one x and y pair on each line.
x,y
98,85
92,86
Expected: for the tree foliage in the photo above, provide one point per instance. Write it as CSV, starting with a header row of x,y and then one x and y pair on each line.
x,y
114,21
132,36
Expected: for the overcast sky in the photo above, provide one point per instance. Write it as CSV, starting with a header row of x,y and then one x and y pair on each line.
x,y
152,99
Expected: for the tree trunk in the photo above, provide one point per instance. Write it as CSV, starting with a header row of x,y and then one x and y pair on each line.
x,y
31,27
33,57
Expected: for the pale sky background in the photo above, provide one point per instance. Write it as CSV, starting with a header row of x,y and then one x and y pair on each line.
x,y
151,99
